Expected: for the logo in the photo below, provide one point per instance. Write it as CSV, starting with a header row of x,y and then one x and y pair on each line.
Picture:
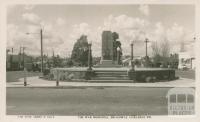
x,y
181,101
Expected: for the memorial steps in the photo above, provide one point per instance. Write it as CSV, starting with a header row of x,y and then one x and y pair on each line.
x,y
110,81
110,76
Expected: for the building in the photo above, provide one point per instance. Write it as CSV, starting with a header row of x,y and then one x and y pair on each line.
x,y
186,61
127,61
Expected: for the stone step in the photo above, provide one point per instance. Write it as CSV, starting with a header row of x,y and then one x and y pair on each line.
x,y
111,81
110,72
111,75
116,71
107,66
110,78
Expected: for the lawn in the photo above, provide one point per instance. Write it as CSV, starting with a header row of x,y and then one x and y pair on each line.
x,y
14,76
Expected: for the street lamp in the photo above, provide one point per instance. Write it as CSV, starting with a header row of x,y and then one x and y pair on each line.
x,y
89,55
118,57
41,41
146,41
132,50
24,68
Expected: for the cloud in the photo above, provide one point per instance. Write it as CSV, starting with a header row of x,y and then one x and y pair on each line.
x,y
29,7
33,29
60,21
128,28
60,37
144,9
157,34
31,18
53,36
80,29
11,8
124,22
176,33
16,38
137,29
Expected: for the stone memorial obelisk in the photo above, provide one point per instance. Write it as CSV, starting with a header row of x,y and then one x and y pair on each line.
x,y
107,50
107,45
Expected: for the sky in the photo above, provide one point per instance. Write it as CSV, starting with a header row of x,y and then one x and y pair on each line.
x,y
63,24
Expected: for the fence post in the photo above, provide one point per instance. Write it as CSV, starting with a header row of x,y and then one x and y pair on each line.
x,y
25,77
57,79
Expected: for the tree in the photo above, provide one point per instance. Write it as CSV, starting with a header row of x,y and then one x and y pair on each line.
x,y
155,48
160,52
80,52
69,63
57,61
165,48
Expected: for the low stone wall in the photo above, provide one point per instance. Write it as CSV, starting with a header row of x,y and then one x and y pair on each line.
x,y
66,74
138,75
155,75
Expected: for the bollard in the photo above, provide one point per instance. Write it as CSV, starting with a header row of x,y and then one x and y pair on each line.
x,y
133,73
57,79
25,83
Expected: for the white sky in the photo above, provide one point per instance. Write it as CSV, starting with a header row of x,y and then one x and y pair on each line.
x,y
63,25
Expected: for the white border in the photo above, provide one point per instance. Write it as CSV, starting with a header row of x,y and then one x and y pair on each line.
x,y
4,3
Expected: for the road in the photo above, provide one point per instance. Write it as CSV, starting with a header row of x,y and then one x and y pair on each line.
x,y
190,74
87,101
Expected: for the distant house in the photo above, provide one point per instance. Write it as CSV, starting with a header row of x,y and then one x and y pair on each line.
x,y
127,61
186,60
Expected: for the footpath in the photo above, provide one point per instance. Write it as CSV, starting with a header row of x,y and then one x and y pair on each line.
x,y
39,82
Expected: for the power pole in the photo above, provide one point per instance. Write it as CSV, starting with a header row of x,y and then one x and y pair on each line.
x,y
89,57
11,59
41,43
23,48
146,41
41,39
7,59
53,58
20,53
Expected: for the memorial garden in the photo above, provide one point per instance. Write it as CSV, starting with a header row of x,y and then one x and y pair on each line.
x,y
110,67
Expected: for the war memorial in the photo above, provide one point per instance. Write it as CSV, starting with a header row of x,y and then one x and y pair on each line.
x,y
109,69
110,61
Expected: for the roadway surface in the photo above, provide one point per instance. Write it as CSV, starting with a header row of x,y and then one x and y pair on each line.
x,y
87,101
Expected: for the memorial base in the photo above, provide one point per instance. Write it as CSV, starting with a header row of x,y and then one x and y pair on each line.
x,y
108,63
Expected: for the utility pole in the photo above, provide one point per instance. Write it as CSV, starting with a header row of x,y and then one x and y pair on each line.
x,y
89,57
53,58
23,48
11,60
41,43
7,59
20,53
41,39
146,41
